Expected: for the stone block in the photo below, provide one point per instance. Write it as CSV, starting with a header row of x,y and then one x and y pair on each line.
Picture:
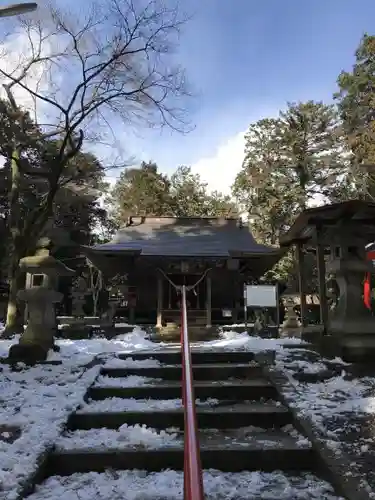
x,y
358,348
265,357
30,354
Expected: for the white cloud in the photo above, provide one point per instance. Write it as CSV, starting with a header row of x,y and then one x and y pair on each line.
x,y
220,169
15,56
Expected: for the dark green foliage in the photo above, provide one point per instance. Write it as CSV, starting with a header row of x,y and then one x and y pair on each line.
x,y
75,207
356,103
290,162
145,191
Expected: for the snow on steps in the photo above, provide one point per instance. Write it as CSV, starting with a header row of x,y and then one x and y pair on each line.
x,y
114,412
157,447
217,452
252,454
168,485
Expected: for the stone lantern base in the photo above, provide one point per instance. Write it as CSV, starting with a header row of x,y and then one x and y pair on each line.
x,y
30,354
358,348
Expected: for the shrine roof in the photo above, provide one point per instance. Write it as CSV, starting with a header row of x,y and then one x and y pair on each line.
x,y
303,228
185,237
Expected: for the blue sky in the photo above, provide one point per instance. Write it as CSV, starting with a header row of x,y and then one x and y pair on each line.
x,y
245,60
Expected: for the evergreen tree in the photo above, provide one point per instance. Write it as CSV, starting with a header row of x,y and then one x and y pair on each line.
x,y
141,191
146,191
290,163
193,199
356,103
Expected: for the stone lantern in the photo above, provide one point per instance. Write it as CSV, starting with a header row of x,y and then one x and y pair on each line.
x,y
41,298
350,320
291,326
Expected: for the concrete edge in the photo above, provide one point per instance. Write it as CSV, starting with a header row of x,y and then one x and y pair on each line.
x,y
336,467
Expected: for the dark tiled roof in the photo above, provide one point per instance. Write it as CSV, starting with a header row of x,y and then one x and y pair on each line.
x,y
302,229
185,237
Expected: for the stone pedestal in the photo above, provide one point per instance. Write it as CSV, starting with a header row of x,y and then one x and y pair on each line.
x,y
291,327
78,297
41,324
350,321
111,311
78,300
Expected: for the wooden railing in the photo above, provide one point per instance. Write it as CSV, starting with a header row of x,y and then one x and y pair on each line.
x,y
193,478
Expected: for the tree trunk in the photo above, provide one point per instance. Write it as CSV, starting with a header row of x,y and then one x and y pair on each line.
x,y
14,322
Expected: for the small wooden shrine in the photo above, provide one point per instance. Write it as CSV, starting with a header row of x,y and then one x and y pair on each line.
x,y
213,256
339,234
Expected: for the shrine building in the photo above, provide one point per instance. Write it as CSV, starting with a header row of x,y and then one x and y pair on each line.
x,y
216,256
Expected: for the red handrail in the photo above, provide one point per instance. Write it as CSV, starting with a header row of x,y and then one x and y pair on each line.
x,y
193,477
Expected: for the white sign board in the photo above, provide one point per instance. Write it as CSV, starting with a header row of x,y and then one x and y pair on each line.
x,y
260,296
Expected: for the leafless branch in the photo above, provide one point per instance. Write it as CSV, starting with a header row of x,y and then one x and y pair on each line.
x,y
83,73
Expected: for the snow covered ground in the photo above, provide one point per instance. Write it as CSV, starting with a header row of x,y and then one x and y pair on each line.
x,y
340,405
37,402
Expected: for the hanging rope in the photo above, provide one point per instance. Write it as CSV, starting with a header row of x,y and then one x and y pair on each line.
x,y
96,285
200,279
177,287
188,288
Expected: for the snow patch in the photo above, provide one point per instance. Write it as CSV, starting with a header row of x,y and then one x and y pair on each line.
x,y
168,485
234,341
129,381
137,436
79,352
132,363
109,405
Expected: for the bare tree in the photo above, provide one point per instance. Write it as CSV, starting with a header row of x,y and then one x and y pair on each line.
x,y
115,61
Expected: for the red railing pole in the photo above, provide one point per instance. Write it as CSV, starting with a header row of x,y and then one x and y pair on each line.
x,y
193,477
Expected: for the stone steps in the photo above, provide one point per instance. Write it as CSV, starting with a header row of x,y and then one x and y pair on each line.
x,y
235,459
242,424
172,356
266,415
240,390
218,371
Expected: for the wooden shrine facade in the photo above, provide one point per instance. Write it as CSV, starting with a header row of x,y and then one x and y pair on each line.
x,y
213,257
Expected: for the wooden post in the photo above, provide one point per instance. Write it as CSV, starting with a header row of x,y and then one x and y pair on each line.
x,y
159,311
322,282
208,300
302,283
169,296
132,315
235,312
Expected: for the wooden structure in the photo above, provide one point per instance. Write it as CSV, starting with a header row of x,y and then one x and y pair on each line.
x,y
338,234
213,256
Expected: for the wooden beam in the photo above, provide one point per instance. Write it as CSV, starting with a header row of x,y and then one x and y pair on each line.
x,y
322,283
159,310
208,299
302,282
